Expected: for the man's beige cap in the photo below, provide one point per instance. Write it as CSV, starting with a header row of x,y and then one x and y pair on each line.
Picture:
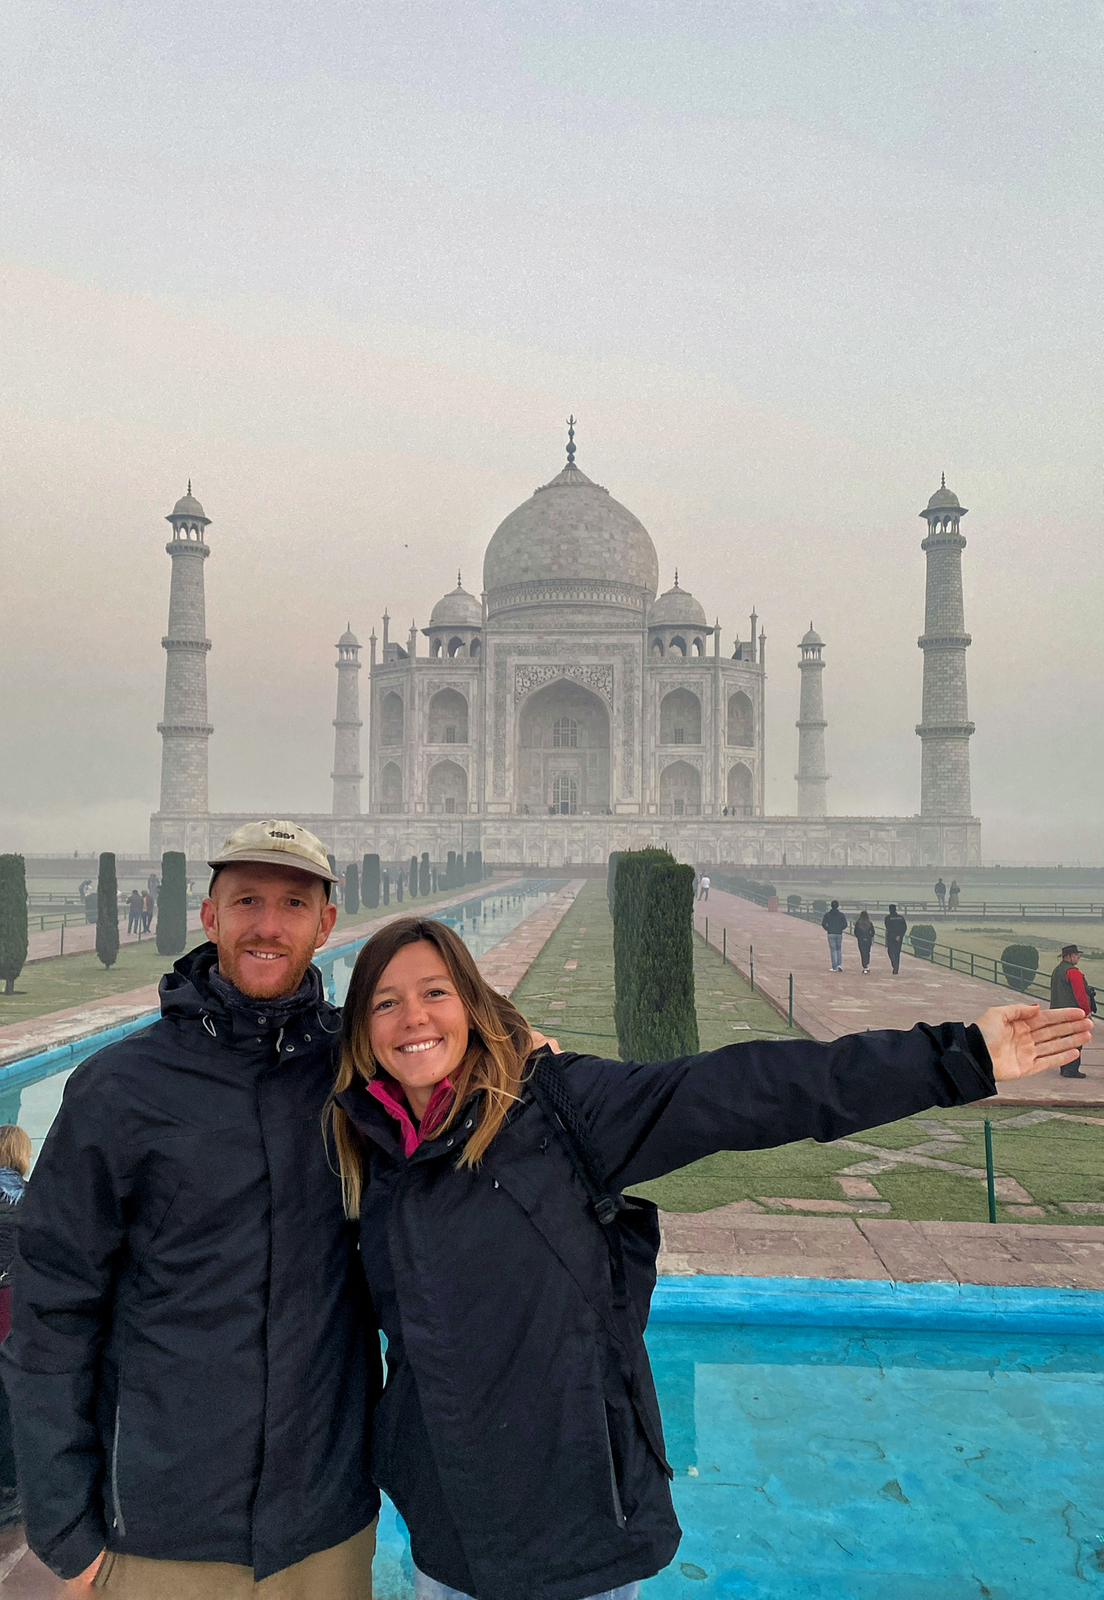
x,y
276,844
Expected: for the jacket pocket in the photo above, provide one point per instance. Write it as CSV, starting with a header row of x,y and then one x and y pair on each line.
x,y
118,1523
611,1457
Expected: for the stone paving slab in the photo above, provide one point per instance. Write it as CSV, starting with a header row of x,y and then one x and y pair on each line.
x,y
506,965
731,1242
43,944
829,1004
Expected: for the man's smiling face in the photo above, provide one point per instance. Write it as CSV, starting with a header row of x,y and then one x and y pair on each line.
x,y
267,922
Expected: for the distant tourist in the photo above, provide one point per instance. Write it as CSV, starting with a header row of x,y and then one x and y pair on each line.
x,y
834,924
1068,987
147,911
864,938
941,894
15,1163
952,895
703,886
895,929
134,912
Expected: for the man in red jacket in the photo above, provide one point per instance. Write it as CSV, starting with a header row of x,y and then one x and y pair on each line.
x,y
1068,988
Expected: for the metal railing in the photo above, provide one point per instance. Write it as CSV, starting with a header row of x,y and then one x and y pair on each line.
x,y
985,910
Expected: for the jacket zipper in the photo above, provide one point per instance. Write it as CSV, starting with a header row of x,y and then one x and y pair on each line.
x,y
118,1522
618,1508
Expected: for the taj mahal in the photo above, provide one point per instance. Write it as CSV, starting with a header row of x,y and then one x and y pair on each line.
x,y
571,709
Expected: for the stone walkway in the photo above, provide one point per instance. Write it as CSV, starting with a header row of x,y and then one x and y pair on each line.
x,y
730,1242
43,944
828,1004
506,965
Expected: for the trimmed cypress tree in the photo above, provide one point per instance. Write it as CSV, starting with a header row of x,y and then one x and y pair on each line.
x,y
107,910
628,899
423,873
352,889
663,1023
922,937
13,919
477,863
433,879
1020,965
450,870
172,904
412,877
398,884
469,867
370,881
386,888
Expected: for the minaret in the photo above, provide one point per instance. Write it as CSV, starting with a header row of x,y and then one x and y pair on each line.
x,y
346,768
185,729
812,775
945,727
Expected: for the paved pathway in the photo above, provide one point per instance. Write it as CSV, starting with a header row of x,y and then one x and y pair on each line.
x,y
79,937
828,1004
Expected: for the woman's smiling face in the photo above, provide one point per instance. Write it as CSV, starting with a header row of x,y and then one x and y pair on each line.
x,y
417,1023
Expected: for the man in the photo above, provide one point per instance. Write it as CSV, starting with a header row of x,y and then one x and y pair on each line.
x,y
1068,988
834,924
895,929
193,1365
941,893
703,887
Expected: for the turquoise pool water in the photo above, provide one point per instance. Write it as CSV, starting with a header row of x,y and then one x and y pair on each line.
x,y
917,1462
30,1090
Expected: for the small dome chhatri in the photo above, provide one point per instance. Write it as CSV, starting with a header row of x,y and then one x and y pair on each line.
x,y
457,609
677,608
348,640
188,506
812,639
943,499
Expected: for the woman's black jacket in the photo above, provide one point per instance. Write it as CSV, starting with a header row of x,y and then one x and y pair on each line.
x,y
193,1362
518,1433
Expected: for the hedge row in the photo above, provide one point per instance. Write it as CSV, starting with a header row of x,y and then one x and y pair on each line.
x,y
653,956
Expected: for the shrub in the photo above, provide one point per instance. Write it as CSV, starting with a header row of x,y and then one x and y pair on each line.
x,y
398,884
13,919
172,904
423,873
450,870
922,938
820,907
479,872
469,867
107,910
655,901
611,878
352,889
793,902
412,877
370,881
386,885
1020,964
433,879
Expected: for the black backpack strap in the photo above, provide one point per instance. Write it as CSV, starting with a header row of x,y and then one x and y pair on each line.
x,y
556,1101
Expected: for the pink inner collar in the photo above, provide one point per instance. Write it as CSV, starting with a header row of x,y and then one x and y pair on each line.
x,y
392,1098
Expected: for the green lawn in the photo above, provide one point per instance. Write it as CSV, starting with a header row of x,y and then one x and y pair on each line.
x,y
64,981
1058,1160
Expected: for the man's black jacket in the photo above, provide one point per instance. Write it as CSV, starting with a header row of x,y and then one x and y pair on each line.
x,y
193,1360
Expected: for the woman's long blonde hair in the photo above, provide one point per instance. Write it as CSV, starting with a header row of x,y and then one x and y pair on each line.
x,y
498,1044
16,1149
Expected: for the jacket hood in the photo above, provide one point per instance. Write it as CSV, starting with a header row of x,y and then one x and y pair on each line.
x,y
187,992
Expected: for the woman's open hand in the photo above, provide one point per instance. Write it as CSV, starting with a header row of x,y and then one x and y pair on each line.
x,y
1023,1040
538,1040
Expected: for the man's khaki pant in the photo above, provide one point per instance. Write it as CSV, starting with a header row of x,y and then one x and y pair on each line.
x,y
341,1573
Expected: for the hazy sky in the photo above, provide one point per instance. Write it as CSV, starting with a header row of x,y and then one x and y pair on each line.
x,y
349,265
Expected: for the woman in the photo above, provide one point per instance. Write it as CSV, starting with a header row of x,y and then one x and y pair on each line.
x,y
15,1163
518,1433
864,937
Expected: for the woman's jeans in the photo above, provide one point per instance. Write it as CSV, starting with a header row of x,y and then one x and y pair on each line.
x,y
429,1589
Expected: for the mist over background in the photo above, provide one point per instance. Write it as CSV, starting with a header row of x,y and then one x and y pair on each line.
x,y
349,266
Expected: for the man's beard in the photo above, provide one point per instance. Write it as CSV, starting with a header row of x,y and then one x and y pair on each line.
x,y
295,973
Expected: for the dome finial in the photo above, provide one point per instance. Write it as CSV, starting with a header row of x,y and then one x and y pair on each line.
x,y
571,441
189,485
676,578
459,583
942,480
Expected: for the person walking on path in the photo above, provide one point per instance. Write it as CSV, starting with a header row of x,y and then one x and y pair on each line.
x,y
864,938
193,1365
15,1163
895,929
1069,988
941,894
519,1435
953,894
703,886
834,924
147,911
134,911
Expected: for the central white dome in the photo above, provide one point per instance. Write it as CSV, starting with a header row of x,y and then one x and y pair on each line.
x,y
570,543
